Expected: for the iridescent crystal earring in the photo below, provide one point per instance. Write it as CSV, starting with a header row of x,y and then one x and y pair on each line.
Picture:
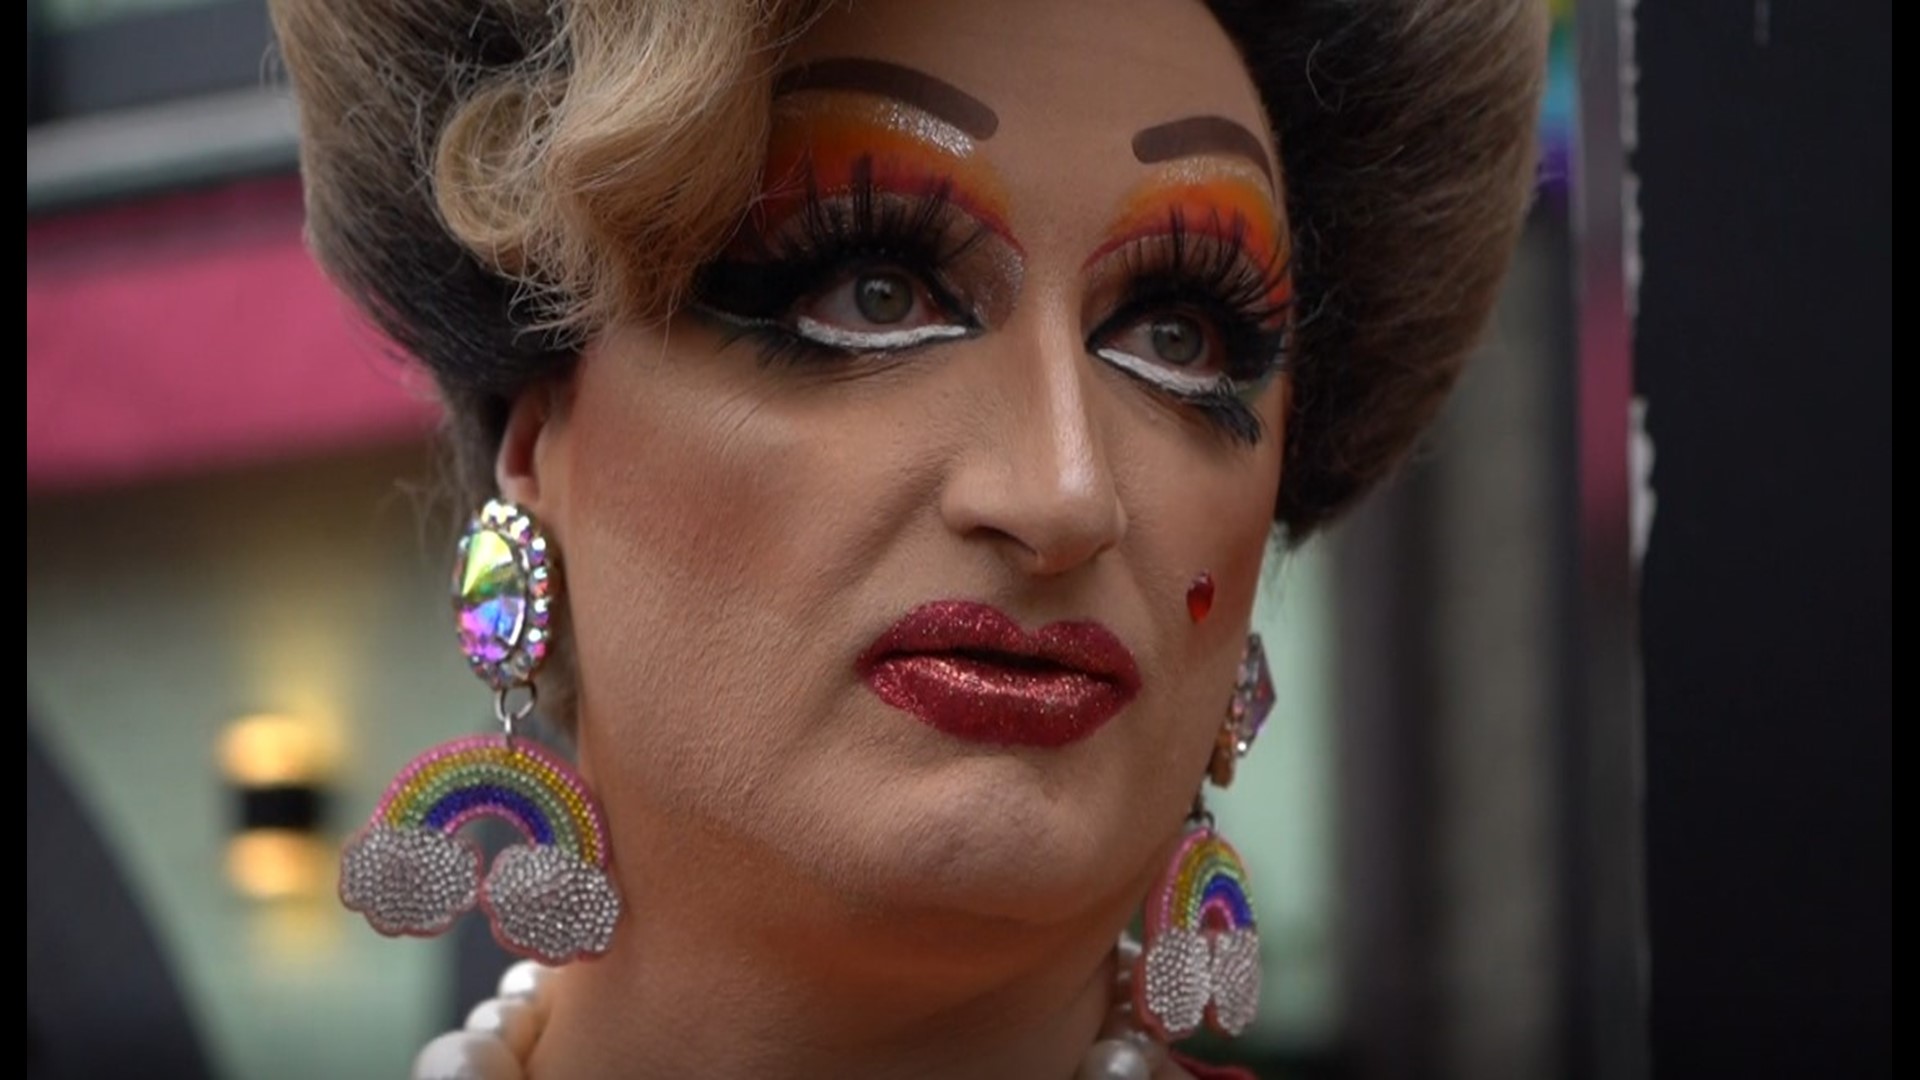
x,y
408,870
1201,957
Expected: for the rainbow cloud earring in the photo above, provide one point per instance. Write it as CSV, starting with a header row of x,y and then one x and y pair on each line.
x,y
408,870
1201,957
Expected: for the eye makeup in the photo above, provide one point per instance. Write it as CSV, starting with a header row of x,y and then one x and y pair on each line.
x,y
1226,201
878,232
881,230
820,138
889,340
928,93
1194,278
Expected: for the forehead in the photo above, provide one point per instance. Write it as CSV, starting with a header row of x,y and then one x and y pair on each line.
x,y
1067,81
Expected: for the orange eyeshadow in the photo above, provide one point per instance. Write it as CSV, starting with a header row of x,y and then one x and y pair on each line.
x,y
823,137
1224,207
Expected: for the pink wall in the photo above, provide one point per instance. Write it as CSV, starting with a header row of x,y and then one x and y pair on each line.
x,y
195,332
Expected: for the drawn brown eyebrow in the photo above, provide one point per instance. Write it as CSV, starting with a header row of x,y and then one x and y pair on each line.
x,y
935,96
1200,135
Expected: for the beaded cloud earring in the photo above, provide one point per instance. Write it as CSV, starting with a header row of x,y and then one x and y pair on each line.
x,y
408,870
1201,957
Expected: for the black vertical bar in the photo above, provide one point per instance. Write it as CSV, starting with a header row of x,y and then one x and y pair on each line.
x,y
1765,356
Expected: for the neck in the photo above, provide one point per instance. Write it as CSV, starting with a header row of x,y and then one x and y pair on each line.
x,y
775,977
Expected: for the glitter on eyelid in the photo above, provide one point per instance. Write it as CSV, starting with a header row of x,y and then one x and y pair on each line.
x,y
812,108
1190,172
819,137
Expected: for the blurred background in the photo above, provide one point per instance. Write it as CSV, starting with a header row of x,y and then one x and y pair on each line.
x,y
237,625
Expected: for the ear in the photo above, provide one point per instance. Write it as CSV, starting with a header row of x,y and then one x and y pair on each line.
x,y
529,468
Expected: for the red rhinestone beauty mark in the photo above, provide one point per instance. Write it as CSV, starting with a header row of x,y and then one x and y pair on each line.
x,y
969,670
1200,596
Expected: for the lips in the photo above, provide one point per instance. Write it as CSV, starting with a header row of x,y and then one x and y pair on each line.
x,y
969,670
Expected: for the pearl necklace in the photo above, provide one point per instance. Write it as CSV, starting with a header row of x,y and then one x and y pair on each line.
x,y
500,1032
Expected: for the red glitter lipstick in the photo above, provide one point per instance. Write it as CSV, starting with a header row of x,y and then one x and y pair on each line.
x,y
969,670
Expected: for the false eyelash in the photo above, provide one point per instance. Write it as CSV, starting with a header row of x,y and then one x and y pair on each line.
x,y
828,236
1224,410
1212,274
1223,262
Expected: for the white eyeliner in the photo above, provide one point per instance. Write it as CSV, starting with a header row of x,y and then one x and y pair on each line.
x,y
1175,381
862,341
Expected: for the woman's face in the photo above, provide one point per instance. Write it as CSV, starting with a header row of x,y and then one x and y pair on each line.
x,y
1002,333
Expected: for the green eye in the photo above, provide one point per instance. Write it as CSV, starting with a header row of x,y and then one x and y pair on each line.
x,y
883,297
1177,339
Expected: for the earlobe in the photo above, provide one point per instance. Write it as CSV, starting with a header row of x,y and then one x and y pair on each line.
x,y
527,447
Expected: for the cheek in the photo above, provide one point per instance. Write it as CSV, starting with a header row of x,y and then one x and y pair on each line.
x,y
714,521
703,482
664,472
678,512
1202,507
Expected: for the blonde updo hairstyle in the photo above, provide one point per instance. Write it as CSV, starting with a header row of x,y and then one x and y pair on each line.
x,y
493,180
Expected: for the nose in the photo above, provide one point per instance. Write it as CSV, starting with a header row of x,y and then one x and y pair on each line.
x,y
1034,477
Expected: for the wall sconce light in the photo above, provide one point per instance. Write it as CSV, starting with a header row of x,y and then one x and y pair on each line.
x,y
280,769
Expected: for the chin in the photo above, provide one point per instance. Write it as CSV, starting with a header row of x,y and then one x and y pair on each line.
x,y
992,836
